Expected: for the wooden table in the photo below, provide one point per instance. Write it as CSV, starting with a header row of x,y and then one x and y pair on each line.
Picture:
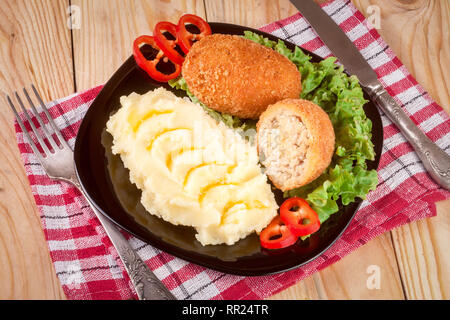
x,y
37,46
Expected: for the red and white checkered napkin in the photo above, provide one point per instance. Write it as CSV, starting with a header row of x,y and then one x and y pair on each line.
x,y
88,265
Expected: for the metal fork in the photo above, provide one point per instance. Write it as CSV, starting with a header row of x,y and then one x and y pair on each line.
x,y
58,163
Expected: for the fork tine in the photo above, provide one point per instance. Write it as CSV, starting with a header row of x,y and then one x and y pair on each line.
x,y
41,122
24,130
50,119
33,127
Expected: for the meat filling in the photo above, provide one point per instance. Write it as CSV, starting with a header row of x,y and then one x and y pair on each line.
x,y
285,142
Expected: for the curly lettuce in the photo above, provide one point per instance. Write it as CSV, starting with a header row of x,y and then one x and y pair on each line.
x,y
341,96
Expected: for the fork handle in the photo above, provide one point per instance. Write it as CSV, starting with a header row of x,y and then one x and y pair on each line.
x,y
147,285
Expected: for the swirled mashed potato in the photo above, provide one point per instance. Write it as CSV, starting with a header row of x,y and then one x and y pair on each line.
x,y
192,170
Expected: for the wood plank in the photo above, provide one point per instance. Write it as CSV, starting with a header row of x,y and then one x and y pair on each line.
x,y
252,14
422,251
418,32
347,278
108,29
35,48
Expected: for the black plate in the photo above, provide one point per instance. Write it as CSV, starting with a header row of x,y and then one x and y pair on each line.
x,y
106,183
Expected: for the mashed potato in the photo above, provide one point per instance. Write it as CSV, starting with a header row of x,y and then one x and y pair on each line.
x,y
192,170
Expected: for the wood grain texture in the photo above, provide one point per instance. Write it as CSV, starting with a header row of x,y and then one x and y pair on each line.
x,y
35,48
423,255
251,13
108,28
347,279
418,31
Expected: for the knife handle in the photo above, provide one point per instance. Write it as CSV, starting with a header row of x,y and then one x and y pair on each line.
x,y
146,284
435,160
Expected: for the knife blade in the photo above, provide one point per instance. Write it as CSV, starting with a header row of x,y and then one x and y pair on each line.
x,y
435,160
336,40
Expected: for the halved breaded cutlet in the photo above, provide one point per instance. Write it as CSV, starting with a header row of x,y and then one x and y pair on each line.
x,y
295,142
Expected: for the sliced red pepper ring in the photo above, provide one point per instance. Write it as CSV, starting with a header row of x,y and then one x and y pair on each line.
x,y
186,38
166,45
277,235
301,219
149,66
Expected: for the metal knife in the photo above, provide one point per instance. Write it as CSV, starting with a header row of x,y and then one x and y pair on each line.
x,y
435,160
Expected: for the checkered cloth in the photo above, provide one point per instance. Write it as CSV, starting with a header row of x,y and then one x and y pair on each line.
x,y
88,265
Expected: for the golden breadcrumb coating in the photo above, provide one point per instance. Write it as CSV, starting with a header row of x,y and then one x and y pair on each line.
x,y
237,76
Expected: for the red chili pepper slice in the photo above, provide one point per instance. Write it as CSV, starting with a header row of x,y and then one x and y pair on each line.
x,y
277,235
301,219
150,65
186,38
166,45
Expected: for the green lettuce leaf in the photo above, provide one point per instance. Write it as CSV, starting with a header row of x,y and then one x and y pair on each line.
x,y
341,96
